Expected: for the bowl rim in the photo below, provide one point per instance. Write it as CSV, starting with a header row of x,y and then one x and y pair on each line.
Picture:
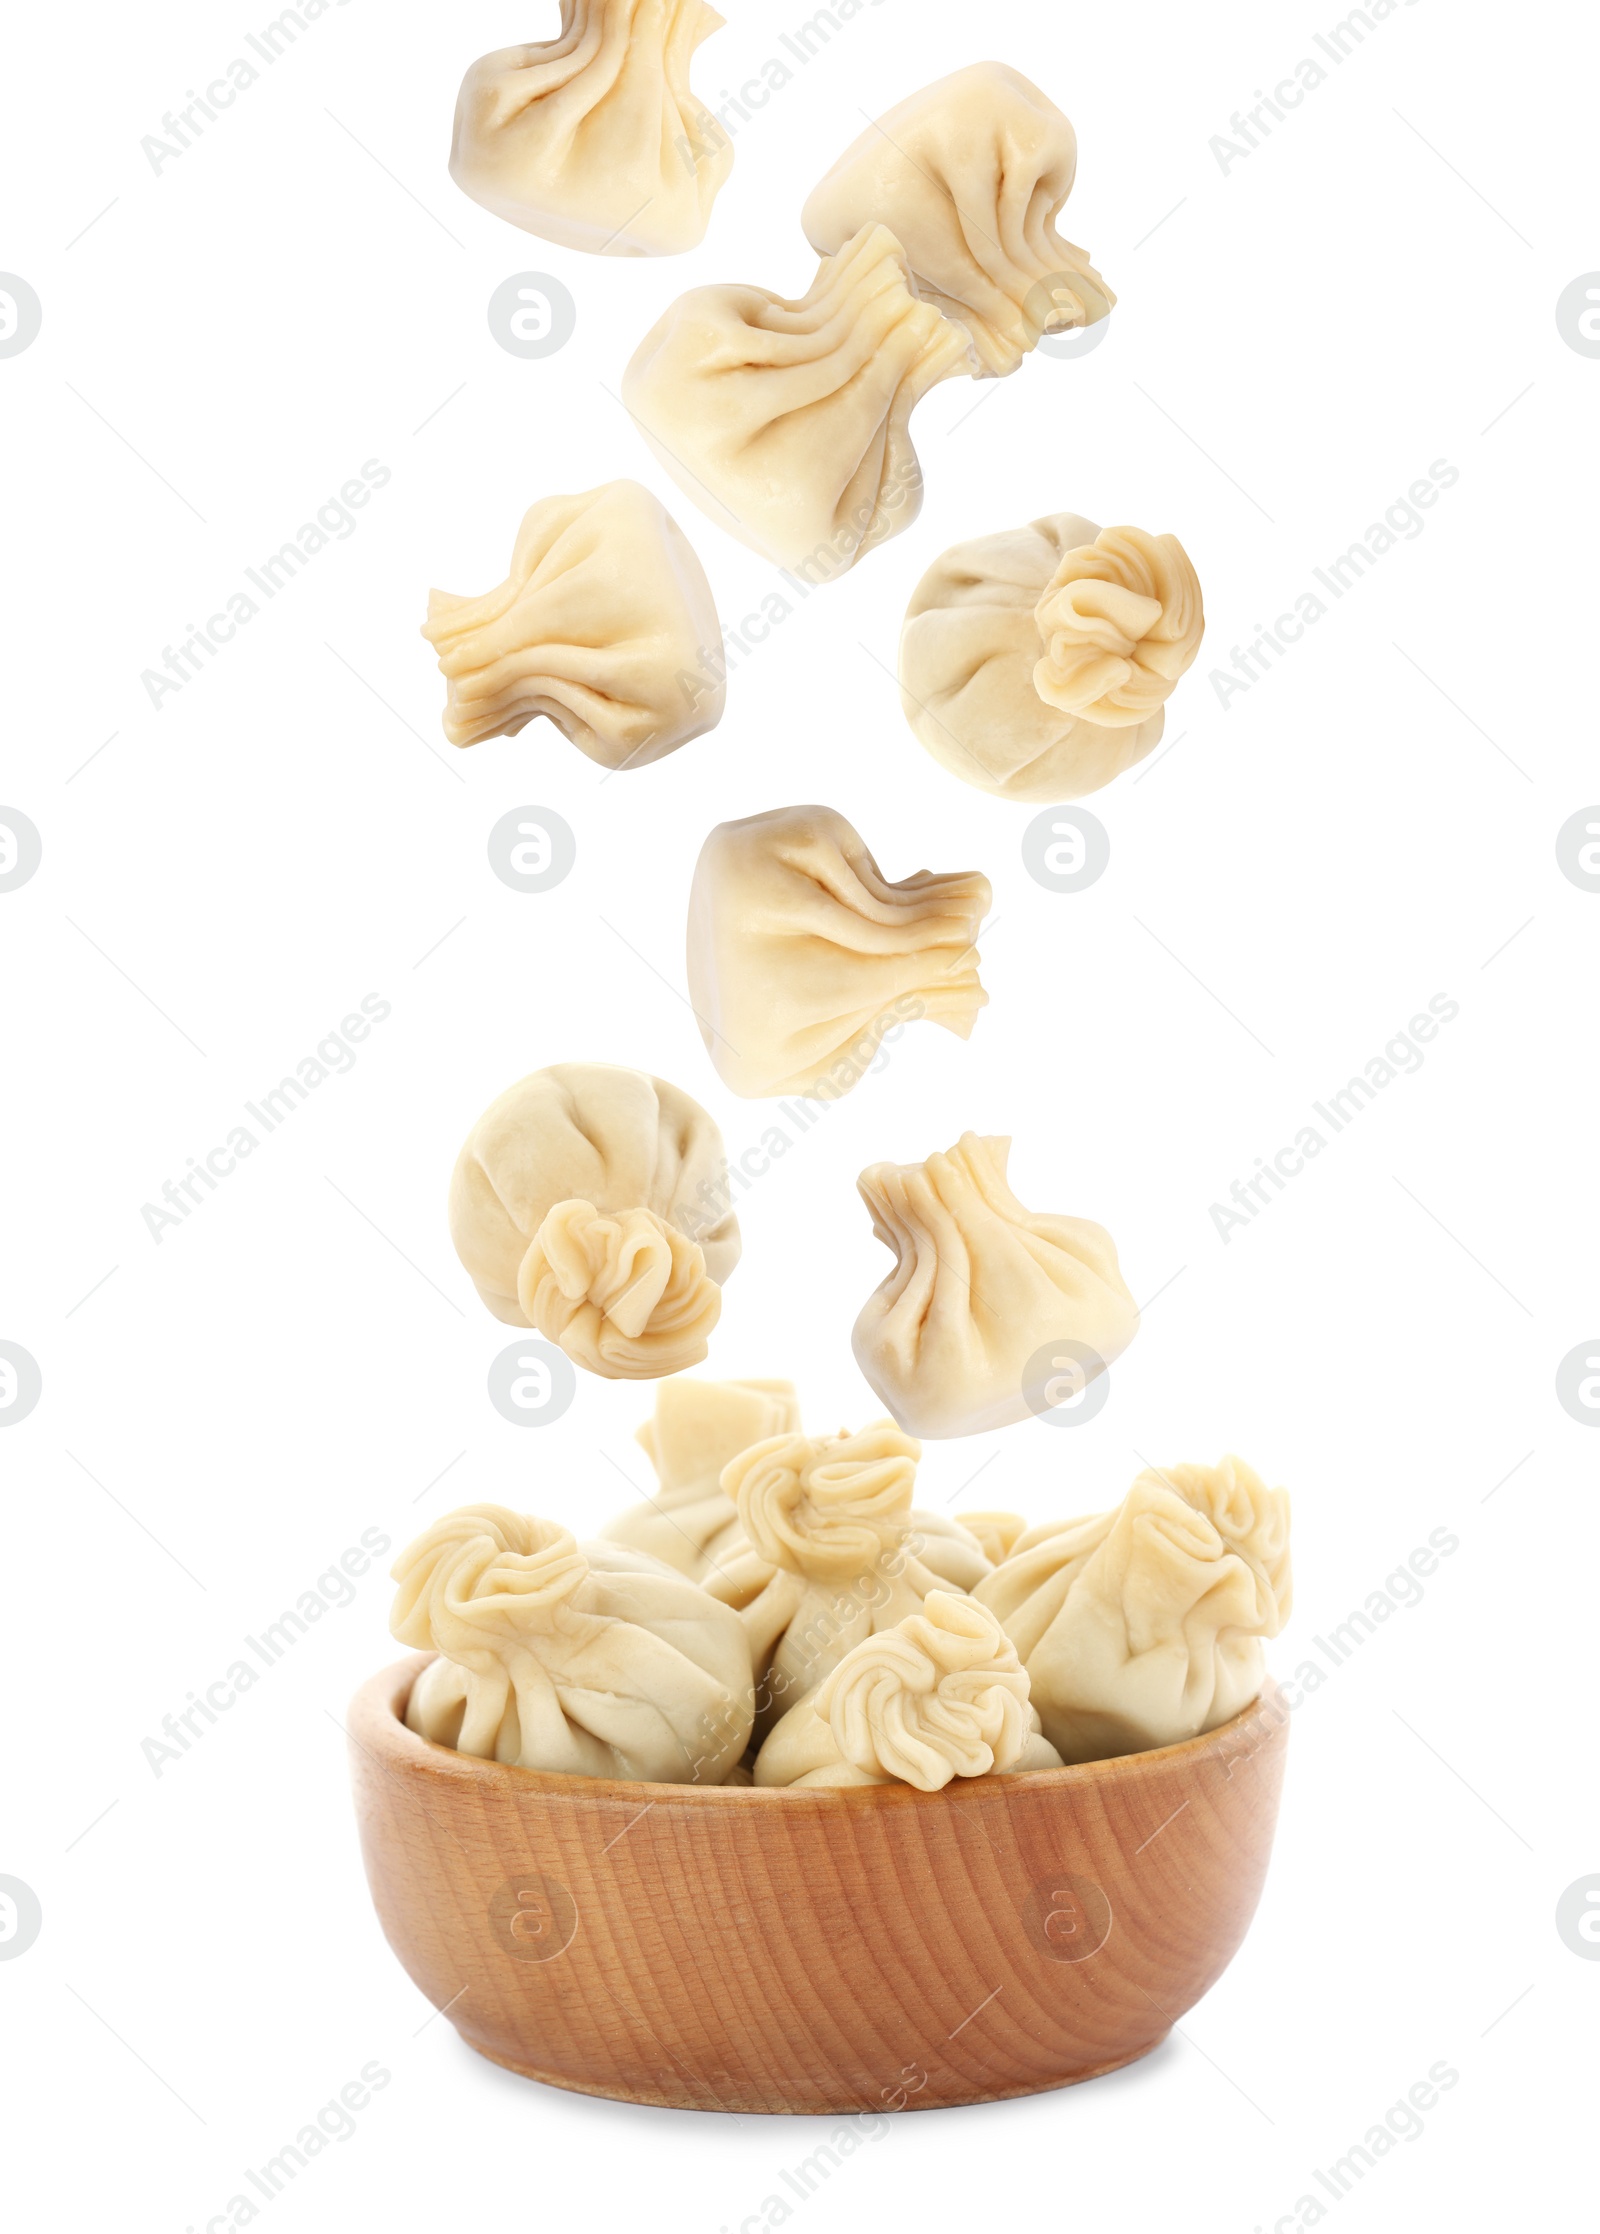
x,y
376,1723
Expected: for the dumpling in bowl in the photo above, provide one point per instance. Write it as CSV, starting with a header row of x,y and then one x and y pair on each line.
x,y
603,625
969,175
948,1548
594,138
803,956
981,1285
996,1533
1037,664
788,422
827,1554
1144,1626
698,1429
592,1203
583,1660
941,1695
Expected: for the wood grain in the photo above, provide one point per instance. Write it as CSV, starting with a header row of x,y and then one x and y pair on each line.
x,y
814,1951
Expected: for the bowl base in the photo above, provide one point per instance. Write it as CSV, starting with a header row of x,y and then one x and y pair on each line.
x,y
694,2096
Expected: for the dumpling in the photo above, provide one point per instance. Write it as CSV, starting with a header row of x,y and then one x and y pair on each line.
x,y
788,422
592,1203
699,1426
941,1695
803,956
594,139
1036,664
996,1534
1144,1626
969,174
826,1553
602,625
948,1548
586,1660
980,1286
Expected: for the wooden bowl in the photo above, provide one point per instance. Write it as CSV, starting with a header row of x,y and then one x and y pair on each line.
x,y
814,1951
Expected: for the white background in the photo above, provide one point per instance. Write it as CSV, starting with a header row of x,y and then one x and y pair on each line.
x,y
1298,339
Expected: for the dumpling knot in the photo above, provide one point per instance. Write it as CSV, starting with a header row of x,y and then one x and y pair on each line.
x,y
828,1505
942,1695
997,1533
1121,621
627,1296
1238,1513
481,1576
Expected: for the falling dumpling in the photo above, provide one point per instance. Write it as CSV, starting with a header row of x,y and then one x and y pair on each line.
x,y
591,1202
1037,663
803,957
594,139
969,174
788,422
941,1695
698,1429
1144,1626
604,624
580,1659
980,1287
827,1553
